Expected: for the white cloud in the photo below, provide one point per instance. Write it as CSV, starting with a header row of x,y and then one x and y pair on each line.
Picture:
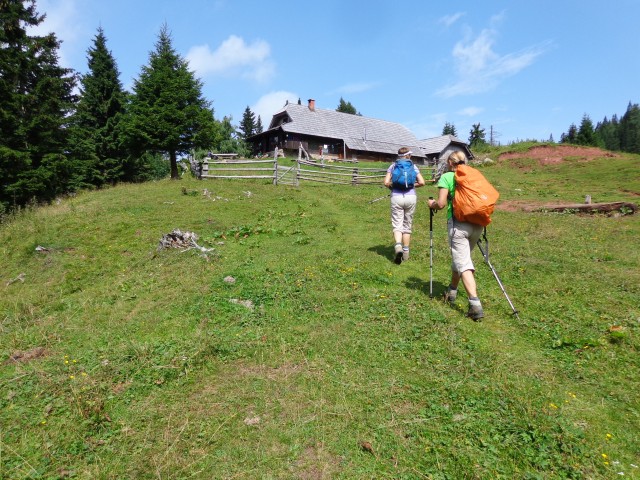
x,y
355,87
449,20
63,19
233,57
428,127
480,69
470,111
271,103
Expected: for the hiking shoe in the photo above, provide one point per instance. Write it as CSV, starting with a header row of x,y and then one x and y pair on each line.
x,y
398,250
475,313
450,296
405,255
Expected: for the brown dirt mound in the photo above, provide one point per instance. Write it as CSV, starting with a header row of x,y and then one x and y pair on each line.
x,y
548,154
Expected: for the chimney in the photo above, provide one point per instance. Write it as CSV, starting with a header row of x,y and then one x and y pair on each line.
x,y
312,105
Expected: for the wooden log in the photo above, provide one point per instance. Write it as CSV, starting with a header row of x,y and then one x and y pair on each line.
x,y
590,207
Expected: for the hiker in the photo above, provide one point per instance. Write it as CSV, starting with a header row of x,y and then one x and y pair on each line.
x,y
463,237
403,201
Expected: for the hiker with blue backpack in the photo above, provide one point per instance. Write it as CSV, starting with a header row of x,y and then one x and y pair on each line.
x,y
403,177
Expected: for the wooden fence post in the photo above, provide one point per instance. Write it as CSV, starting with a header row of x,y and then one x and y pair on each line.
x,y
354,179
275,172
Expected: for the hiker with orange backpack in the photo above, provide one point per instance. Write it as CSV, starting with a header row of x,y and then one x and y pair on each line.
x,y
466,218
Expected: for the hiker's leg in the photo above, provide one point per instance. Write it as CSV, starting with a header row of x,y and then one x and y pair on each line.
x,y
462,266
455,279
397,218
469,282
410,202
406,239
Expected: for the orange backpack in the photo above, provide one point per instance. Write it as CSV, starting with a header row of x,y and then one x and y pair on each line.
x,y
474,197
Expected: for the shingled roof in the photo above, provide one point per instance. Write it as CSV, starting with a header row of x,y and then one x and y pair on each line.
x,y
357,132
435,146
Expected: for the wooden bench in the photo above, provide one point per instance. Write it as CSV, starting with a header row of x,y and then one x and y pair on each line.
x,y
223,156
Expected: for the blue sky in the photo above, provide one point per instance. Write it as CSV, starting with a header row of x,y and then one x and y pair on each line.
x,y
525,69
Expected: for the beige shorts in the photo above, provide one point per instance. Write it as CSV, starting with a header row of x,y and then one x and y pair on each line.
x,y
463,237
402,209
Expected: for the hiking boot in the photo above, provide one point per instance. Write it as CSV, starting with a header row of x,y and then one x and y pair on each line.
x,y
398,252
475,313
450,296
405,255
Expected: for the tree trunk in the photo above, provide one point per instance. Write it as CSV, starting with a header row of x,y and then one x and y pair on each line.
x,y
174,165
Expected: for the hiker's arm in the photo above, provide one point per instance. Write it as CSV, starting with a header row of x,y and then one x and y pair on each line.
x,y
387,180
420,181
441,202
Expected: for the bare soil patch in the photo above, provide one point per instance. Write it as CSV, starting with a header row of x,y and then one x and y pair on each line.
x,y
26,355
549,155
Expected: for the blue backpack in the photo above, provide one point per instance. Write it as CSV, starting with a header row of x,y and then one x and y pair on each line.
x,y
403,176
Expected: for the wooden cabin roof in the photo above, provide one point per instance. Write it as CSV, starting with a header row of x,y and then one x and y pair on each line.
x,y
358,132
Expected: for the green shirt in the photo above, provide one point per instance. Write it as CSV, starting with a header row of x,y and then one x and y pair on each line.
x,y
448,181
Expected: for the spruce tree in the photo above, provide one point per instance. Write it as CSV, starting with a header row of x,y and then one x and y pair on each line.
x,y
449,129
571,135
248,124
346,107
95,128
608,132
168,114
630,129
35,101
476,136
586,134
259,128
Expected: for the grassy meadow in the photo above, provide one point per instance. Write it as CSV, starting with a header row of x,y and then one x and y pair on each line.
x,y
297,349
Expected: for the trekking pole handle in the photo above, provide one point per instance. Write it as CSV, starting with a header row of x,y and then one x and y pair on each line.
x,y
431,213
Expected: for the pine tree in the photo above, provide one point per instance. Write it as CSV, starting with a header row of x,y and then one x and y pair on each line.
x,y
608,132
168,114
248,124
346,107
35,101
586,135
96,124
476,136
571,135
259,128
630,129
449,129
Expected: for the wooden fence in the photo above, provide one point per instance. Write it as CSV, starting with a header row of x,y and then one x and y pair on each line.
x,y
305,170
239,169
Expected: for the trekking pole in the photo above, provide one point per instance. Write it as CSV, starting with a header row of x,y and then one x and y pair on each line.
x,y
378,199
431,213
485,254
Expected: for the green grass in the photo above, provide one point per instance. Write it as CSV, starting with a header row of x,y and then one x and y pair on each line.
x,y
150,368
